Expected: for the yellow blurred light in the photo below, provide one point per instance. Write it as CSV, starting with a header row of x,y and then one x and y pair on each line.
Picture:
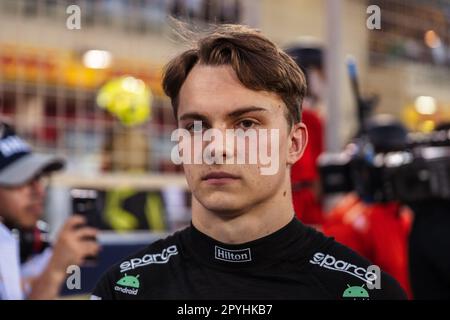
x,y
133,85
425,105
97,59
432,40
128,98
427,126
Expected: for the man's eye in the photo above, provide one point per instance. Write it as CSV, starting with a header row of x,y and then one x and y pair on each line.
x,y
247,124
195,127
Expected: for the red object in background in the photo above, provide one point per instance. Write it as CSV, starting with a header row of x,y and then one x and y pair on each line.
x,y
304,173
378,232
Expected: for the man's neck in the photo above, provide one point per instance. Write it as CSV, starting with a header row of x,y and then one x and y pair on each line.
x,y
257,222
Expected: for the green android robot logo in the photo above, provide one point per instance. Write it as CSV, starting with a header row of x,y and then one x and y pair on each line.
x,y
129,281
355,293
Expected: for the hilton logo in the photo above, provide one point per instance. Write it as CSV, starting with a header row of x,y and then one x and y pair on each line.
x,y
242,255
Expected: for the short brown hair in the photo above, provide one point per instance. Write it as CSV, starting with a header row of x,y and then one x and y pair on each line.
x,y
258,63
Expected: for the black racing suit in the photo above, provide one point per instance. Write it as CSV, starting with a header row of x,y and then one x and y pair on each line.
x,y
295,262
429,250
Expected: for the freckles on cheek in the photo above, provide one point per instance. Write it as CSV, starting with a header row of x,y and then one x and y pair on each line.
x,y
187,172
192,172
254,176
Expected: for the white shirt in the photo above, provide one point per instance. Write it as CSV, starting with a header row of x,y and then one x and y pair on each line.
x,y
10,283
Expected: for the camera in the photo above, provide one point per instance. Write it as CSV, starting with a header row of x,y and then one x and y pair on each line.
x,y
85,203
420,170
384,162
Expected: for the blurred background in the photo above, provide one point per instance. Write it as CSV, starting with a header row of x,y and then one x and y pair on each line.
x,y
62,87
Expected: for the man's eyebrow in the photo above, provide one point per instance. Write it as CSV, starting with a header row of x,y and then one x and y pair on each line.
x,y
244,110
233,114
194,115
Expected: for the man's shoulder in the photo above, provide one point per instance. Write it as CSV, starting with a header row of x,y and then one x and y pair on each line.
x,y
344,272
157,253
148,263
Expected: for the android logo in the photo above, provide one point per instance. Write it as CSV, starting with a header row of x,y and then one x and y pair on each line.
x,y
129,281
355,293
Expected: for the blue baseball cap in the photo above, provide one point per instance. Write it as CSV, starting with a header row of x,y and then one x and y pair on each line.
x,y
18,164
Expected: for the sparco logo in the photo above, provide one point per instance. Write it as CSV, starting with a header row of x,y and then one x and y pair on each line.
x,y
242,255
371,275
162,257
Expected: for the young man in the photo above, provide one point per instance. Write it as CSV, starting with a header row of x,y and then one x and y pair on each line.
x,y
22,194
244,241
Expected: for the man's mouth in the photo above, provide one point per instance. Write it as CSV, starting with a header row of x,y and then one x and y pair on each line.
x,y
219,177
36,208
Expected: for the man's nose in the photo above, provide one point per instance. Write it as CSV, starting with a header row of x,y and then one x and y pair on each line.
x,y
37,187
222,146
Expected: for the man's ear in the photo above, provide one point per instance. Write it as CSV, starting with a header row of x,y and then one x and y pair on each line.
x,y
298,138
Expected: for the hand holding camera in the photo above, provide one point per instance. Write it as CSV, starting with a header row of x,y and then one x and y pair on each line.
x,y
75,243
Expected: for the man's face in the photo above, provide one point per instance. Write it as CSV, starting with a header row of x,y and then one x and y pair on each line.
x,y
22,206
214,96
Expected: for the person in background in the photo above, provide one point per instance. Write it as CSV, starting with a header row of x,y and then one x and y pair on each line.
x,y
378,231
129,209
29,267
304,174
429,245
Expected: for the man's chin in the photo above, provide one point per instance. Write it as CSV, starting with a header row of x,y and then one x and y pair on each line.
x,y
27,225
223,207
31,219
221,201
22,224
